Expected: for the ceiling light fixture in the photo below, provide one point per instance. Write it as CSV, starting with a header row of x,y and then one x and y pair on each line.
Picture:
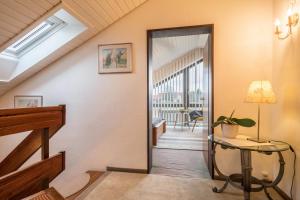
x,y
293,19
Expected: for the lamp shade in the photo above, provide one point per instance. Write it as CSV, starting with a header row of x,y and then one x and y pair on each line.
x,y
260,92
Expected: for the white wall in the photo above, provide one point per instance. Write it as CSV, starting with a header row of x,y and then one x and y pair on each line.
x,y
106,114
7,67
286,80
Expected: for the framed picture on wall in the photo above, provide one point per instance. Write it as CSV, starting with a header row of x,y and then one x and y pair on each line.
x,y
115,58
28,101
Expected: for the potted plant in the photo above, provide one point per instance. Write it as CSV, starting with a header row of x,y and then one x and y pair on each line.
x,y
230,125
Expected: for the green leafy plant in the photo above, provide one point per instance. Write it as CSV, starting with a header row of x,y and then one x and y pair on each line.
x,y
245,122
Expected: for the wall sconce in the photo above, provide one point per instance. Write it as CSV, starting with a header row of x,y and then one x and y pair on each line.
x,y
293,19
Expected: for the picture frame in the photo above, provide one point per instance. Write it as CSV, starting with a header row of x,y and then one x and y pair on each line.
x,y
28,101
115,58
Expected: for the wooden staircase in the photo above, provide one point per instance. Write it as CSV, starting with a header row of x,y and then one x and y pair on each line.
x,y
43,123
48,194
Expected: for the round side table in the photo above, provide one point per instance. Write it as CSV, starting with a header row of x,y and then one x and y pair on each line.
x,y
245,178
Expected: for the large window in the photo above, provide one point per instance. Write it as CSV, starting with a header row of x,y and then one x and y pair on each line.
x,y
169,92
195,85
181,90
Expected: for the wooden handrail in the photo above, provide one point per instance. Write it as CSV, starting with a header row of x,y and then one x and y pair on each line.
x,y
14,121
19,111
44,122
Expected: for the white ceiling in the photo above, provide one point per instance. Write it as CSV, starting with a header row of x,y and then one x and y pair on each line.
x,y
167,49
18,17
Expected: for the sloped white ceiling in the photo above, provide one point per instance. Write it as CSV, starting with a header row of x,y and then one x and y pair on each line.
x,y
167,49
18,17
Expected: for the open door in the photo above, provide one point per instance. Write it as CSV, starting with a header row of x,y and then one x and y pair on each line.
x,y
149,101
208,102
207,79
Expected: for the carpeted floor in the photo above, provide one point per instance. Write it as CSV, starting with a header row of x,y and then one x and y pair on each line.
x,y
184,163
127,186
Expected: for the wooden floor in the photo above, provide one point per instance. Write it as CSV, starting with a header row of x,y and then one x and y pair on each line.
x,y
182,163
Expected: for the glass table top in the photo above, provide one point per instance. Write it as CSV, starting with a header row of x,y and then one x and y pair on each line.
x,y
242,143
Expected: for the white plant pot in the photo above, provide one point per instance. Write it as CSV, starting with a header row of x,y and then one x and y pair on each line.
x,y
230,131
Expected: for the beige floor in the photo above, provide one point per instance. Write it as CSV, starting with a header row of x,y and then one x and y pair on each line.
x,y
184,132
183,138
126,186
183,163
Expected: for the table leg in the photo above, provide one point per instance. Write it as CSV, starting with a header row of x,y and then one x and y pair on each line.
x,y
182,121
246,172
215,189
176,120
277,179
188,120
194,125
267,194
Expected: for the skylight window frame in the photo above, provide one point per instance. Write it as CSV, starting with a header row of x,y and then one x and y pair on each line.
x,y
35,37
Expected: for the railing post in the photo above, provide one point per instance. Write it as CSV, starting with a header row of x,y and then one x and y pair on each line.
x,y
45,143
45,151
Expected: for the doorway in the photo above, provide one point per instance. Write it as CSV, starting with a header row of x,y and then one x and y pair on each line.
x,y
180,100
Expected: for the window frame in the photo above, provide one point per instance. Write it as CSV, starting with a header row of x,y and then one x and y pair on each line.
x,y
35,37
186,86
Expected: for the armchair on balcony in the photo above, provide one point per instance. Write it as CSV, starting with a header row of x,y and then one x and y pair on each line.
x,y
196,116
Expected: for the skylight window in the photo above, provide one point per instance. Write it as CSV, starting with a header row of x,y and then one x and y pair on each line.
x,y
35,37
45,41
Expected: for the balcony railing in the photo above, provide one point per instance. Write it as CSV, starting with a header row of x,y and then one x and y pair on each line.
x,y
170,112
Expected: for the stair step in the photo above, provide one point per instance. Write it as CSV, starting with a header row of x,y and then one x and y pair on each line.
x,y
49,194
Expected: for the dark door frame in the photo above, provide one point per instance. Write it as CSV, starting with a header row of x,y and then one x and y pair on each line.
x,y
178,31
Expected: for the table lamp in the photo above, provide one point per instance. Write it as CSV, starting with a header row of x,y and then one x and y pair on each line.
x,y
260,92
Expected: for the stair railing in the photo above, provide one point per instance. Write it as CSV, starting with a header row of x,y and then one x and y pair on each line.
x,y
43,122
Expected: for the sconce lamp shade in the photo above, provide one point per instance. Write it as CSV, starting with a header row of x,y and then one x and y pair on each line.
x,y
260,92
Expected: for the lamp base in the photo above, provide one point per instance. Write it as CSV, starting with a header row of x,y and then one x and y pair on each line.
x,y
258,140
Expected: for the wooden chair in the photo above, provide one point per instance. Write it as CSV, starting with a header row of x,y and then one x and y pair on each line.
x,y
184,117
